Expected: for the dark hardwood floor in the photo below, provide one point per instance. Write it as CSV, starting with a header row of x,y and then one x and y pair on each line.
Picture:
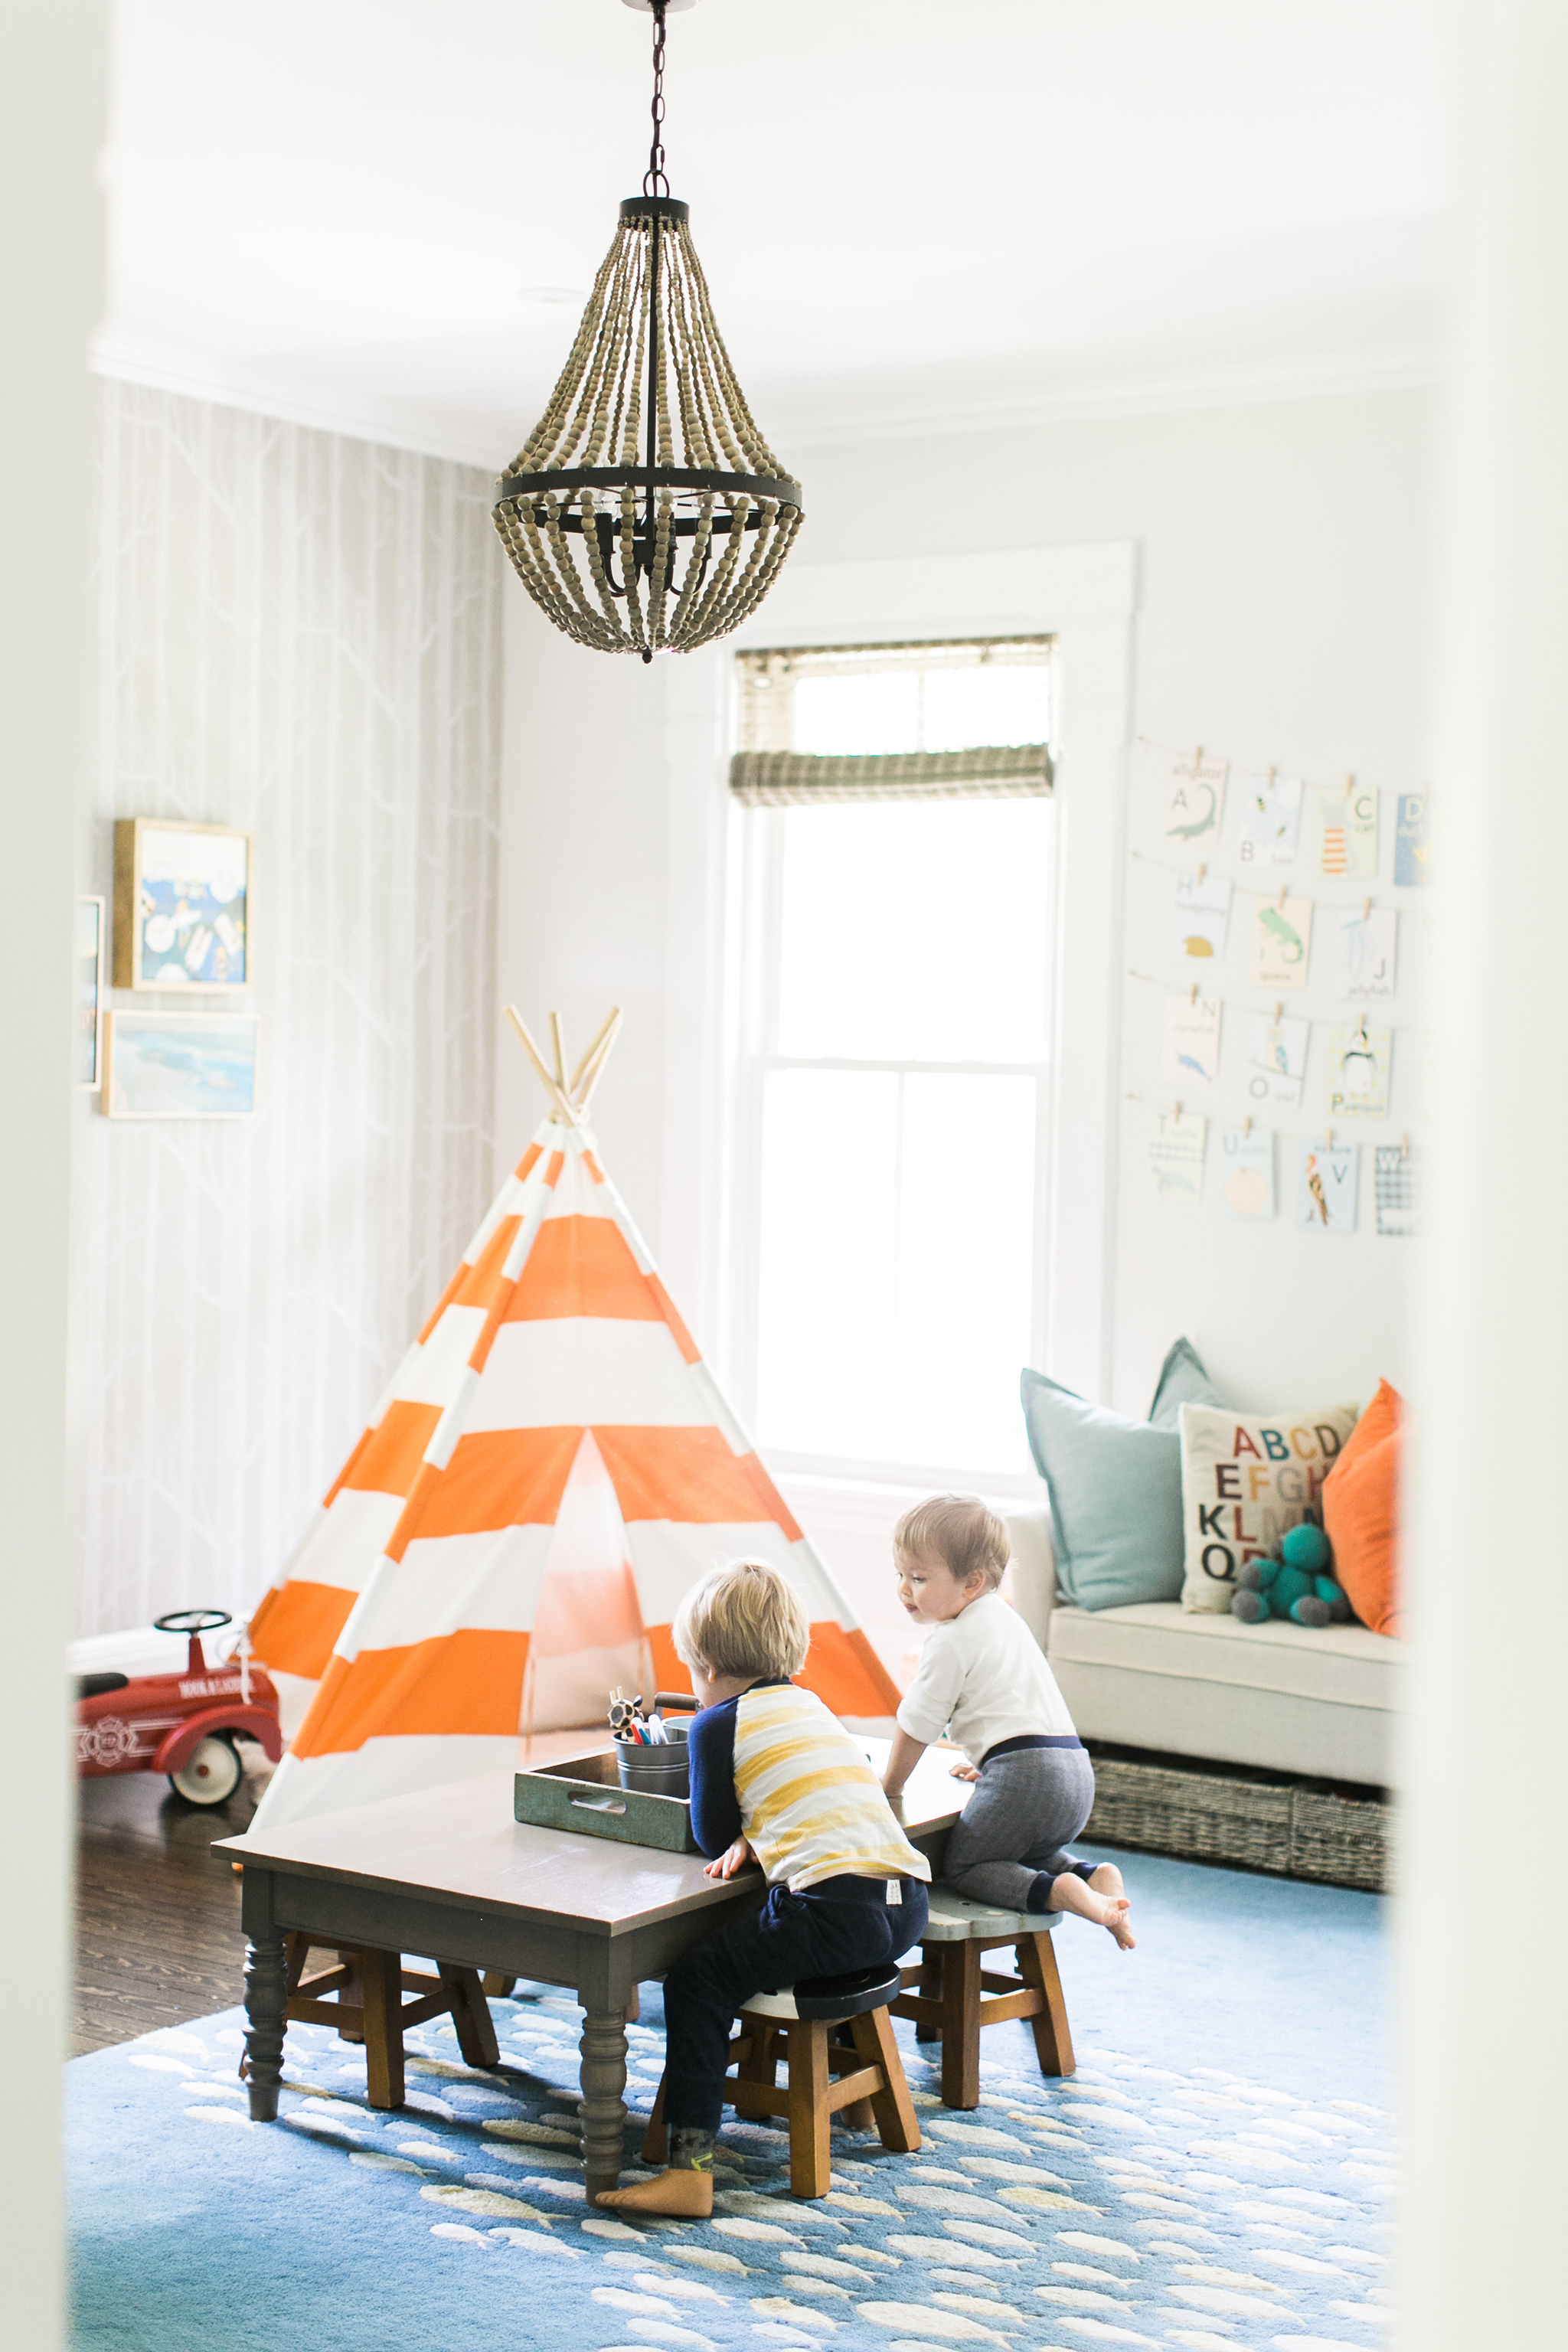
x,y
157,1920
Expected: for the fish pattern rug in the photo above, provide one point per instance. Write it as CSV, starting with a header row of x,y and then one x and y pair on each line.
x,y
1131,2204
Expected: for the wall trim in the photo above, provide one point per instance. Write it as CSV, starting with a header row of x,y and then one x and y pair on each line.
x,y
1327,376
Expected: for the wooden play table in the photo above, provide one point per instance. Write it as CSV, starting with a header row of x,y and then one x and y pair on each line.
x,y
451,1874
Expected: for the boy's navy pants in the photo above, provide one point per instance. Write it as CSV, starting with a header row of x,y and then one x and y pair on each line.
x,y
841,1925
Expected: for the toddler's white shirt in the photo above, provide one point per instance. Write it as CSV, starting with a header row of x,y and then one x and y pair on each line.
x,y
983,1676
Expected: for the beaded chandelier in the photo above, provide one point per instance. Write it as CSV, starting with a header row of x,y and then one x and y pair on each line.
x,y
665,553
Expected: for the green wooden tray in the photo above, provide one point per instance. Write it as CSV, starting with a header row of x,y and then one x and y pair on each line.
x,y
584,1794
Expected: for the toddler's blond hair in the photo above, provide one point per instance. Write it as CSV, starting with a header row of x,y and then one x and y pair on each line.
x,y
957,1529
743,1619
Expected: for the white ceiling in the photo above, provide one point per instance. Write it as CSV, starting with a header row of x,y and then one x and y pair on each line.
x,y
909,212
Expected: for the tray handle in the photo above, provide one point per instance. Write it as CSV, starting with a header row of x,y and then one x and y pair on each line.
x,y
598,1804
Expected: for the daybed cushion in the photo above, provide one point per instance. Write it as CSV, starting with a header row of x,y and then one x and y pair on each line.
x,y
1286,1697
1115,1485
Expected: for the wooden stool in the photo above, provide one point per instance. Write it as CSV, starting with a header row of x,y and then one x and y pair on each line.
x,y
952,2005
797,2027
369,2006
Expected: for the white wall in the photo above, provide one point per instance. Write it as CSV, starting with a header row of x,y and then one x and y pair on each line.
x,y
1281,608
299,634
51,116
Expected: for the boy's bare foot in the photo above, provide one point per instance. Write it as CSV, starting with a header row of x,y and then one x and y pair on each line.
x,y
1069,1893
1107,1879
686,2196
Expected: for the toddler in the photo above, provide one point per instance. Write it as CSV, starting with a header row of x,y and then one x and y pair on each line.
x,y
983,1678
775,1778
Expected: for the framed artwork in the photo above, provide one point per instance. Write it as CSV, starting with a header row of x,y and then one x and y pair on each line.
x,y
87,1041
179,1065
183,913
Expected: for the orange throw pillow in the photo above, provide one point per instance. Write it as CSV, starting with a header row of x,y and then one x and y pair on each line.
x,y
1360,1512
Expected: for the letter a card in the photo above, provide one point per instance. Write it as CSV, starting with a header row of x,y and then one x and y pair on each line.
x,y
1281,938
1194,799
1327,1198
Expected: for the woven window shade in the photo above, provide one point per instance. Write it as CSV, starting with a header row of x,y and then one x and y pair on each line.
x,y
992,772
768,771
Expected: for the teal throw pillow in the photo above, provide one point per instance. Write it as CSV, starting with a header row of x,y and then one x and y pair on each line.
x,y
1115,1485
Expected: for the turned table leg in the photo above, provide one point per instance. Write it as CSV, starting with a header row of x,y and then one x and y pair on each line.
x,y
604,2048
266,1994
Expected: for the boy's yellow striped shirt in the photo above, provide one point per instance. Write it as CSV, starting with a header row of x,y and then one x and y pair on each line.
x,y
810,1804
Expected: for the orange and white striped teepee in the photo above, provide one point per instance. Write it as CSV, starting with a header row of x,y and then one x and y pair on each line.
x,y
553,1467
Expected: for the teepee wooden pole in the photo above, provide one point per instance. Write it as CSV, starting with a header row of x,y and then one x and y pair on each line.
x,y
555,1093
589,1060
558,1043
586,1094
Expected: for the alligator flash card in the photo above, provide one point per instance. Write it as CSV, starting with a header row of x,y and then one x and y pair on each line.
x,y
1195,799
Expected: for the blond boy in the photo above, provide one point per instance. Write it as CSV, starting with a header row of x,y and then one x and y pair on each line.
x,y
982,1678
775,1778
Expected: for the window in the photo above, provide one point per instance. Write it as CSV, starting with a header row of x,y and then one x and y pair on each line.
x,y
899,940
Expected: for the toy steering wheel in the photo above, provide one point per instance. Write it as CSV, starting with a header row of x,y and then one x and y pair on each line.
x,y
192,1621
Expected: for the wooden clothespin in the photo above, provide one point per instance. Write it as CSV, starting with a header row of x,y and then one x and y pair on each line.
x,y
1278,1013
1197,759
1365,908
1192,994
1202,871
1177,1114
1273,771
1404,1144
1284,893
1247,1128
1330,1140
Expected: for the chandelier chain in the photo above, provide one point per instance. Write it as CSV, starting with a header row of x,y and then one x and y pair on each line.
x,y
654,180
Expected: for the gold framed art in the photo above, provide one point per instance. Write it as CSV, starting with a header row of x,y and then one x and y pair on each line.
x,y
183,912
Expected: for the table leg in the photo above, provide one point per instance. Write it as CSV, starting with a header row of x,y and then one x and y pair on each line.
x,y
604,2048
266,1994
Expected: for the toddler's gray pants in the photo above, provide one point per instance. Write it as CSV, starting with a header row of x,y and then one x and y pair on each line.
x,y
1029,1803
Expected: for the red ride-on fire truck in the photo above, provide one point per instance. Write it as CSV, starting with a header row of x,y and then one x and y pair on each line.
x,y
182,1724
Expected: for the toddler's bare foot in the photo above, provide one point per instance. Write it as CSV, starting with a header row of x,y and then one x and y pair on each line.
x,y
1069,1893
1107,1879
686,2196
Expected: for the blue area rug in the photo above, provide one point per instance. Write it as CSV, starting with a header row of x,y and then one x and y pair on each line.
x,y
1214,2176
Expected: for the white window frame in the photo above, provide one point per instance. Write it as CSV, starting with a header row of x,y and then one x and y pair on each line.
x,y
1085,597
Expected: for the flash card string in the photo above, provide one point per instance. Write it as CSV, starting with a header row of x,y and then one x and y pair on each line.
x,y
1281,1010
1260,767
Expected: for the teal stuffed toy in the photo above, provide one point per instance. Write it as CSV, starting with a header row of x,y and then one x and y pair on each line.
x,y
1295,1584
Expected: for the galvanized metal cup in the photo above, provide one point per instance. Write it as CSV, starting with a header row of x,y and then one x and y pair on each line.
x,y
656,1771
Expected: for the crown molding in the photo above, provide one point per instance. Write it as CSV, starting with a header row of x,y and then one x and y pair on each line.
x,y
428,433
425,433
1406,368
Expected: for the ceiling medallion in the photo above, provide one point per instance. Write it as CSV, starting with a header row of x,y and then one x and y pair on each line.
x,y
645,513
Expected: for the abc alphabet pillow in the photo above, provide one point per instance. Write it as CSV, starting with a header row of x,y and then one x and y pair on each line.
x,y
1245,1478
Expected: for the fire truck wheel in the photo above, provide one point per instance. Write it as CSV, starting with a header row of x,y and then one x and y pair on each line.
x,y
210,1774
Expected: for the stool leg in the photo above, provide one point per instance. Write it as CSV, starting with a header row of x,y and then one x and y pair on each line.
x,y
930,1988
656,2139
809,2119
350,1998
759,2064
381,1975
471,2016
891,2106
1053,2038
960,2025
